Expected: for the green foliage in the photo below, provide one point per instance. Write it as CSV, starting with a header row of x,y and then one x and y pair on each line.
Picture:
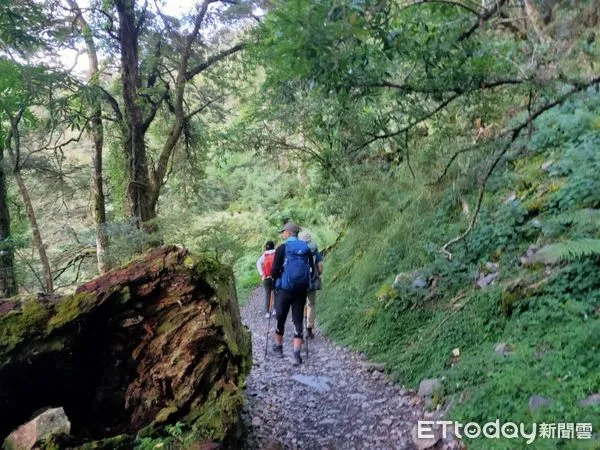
x,y
568,250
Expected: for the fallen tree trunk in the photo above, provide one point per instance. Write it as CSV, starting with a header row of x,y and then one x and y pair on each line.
x,y
155,342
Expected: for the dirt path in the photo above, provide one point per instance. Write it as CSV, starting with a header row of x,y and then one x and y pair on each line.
x,y
333,401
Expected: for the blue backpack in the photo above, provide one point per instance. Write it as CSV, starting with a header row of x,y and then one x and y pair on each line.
x,y
296,266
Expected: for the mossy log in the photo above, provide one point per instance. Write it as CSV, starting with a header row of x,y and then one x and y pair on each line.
x,y
157,341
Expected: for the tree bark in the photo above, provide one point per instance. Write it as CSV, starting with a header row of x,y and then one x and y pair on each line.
x,y
156,342
8,284
14,150
96,131
140,205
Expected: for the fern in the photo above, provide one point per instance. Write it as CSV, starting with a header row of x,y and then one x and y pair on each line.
x,y
568,250
579,217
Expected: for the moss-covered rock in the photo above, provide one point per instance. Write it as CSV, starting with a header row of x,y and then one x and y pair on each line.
x,y
155,342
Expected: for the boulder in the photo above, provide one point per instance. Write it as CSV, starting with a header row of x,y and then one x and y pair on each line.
x,y
49,424
503,349
155,342
428,387
591,400
423,443
486,280
537,402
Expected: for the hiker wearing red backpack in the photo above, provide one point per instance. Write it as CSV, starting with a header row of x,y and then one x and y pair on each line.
x,y
292,270
264,265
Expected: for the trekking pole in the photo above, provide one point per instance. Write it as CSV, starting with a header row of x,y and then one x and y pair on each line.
x,y
269,322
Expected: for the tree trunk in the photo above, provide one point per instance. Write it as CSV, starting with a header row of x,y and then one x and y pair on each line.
x,y
140,204
153,343
8,284
37,236
97,132
14,152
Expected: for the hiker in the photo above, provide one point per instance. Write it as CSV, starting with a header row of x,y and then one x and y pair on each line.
x,y
291,273
264,265
311,295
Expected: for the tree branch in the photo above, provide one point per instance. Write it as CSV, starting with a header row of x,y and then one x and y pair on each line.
x,y
213,60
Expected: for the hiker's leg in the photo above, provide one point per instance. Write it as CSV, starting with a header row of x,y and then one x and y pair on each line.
x,y
283,307
268,287
311,310
298,319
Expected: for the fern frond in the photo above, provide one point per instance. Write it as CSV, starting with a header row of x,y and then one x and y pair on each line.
x,y
568,250
579,217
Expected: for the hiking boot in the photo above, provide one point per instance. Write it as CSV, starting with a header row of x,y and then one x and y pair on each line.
x,y
273,313
296,359
309,333
277,350
267,315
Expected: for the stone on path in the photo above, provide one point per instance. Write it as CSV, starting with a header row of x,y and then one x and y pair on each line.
x,y
51,423
318,383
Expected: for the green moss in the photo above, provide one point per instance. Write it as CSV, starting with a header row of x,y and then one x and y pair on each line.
x,y
219,413
120,442
17,326
68,309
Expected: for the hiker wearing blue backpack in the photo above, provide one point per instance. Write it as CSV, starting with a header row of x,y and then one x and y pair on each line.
x,y
291,272
311,296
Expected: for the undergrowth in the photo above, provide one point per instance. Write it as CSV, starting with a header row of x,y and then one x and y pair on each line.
x,y
391,294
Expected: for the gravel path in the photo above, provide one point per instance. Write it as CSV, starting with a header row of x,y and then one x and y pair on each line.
x,y
335,400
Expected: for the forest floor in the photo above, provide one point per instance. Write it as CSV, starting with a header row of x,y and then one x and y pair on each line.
x,y
334,400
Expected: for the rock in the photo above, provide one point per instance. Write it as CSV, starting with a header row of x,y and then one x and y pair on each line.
x,y
374,367
592,400
318,383
503,349
423,443
358,397
428,387
487,279
537,402
329,421
257,422
189,353
529,256
386,422
419,283
492,266
456,352
51,423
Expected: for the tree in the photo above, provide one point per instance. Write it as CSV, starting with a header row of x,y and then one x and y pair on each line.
x,y
96,131
160,57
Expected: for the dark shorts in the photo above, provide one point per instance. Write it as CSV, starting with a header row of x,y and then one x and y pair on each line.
x,y
294,300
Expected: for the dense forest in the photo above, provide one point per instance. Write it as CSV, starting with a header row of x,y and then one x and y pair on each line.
x,y
443,154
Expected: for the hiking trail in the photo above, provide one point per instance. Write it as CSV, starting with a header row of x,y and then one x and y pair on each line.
x,y
334,400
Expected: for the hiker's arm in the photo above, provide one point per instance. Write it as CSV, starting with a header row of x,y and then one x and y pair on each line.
x,y
319,261
259,264
278,262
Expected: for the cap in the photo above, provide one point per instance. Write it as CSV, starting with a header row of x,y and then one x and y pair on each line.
x,y
290,226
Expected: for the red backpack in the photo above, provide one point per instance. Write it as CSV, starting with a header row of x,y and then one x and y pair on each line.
x,y
268,263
